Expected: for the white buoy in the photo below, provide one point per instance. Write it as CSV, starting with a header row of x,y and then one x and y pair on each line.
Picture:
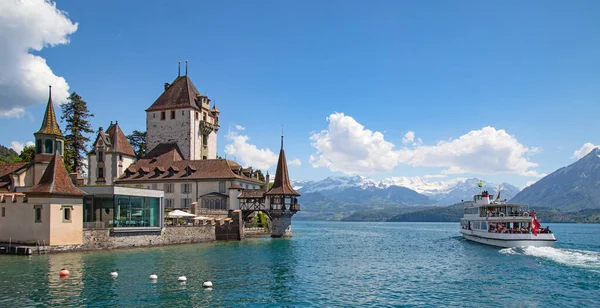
x,y
114,274
207,284
153,277
182,278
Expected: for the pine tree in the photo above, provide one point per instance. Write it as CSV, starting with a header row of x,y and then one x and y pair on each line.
x,y
76,114
137,140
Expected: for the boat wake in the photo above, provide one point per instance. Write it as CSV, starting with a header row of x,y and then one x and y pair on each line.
x,y
569,257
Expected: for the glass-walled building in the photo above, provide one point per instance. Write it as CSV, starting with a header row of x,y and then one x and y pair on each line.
x,y
122,208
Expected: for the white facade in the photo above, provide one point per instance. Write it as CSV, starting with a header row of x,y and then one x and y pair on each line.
x,y
182,126
112,164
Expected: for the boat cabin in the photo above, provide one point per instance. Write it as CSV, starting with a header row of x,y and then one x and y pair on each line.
x,y
484,205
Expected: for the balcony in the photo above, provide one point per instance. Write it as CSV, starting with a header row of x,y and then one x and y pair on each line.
x,y
207,127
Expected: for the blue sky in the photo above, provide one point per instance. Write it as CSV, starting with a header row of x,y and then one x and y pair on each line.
x,y
440,69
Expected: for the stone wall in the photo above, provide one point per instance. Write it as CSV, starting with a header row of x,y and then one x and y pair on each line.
x,y
106,239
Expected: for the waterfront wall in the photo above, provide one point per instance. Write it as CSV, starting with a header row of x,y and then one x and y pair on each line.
x,y
106,239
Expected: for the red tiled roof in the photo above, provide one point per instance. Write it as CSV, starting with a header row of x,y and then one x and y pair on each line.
x,y
119,142
167,156
115,140
282,185
204,170
55,180
165,151
8,168
236,186
252,194
181,93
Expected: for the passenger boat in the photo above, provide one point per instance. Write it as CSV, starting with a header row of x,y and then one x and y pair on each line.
x,y
502,224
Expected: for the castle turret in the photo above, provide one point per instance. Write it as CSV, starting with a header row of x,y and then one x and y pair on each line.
x,y
282,198
48,140
111,154
182,115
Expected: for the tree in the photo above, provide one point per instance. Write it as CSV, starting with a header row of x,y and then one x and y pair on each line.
x,y
28,153
76,114
260,175
137,140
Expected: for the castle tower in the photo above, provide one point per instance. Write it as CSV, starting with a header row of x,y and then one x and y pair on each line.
x,y
110,156
282,198
182,115
48,140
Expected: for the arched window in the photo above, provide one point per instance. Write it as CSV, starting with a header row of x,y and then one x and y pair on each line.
x,y
48,145
59,147
38,146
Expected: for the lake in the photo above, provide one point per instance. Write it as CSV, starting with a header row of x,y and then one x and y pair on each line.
x,y
325,264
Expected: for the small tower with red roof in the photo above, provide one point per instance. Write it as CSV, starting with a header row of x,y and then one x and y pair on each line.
x,y
282,199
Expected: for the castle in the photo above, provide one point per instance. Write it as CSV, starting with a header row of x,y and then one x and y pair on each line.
x,y
124,194
181,128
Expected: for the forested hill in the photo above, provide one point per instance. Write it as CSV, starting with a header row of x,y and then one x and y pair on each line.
x,y
454,213
7,155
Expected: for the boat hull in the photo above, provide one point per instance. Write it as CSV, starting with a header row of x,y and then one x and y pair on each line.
x,y
510,240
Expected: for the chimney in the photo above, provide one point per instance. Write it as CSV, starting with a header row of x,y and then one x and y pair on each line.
x,y
167,85
267,179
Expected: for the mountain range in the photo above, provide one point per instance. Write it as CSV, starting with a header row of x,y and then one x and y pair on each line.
x,y
343,196
570,194
571,188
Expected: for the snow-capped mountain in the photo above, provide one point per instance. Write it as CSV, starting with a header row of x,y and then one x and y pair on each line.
x,y
442,192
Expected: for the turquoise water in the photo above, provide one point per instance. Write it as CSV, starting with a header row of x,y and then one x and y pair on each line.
x,y
325,264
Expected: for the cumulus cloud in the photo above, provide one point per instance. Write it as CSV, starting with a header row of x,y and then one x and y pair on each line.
x,y
584,150
294,162
347,146
27,26
239,127
18,146
409,138
250,155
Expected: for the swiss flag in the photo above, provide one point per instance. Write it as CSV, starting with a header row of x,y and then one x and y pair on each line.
x,y
535,224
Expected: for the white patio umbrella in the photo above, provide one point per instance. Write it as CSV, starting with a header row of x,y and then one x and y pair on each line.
x,y
179,214
201,218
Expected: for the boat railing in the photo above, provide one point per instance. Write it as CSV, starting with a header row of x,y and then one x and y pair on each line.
x,y
502,214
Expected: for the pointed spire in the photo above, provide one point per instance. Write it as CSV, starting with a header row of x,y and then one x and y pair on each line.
x,y
55,180
49,124
281,185
214,108
178,68
282,137
186,65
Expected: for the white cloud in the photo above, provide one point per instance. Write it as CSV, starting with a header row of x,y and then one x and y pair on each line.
x,y
239,127
27,26
250,155
295,162
584,150
408,137
18,146
348,147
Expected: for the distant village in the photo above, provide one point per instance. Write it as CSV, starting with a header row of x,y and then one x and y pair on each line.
x,y
178,192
